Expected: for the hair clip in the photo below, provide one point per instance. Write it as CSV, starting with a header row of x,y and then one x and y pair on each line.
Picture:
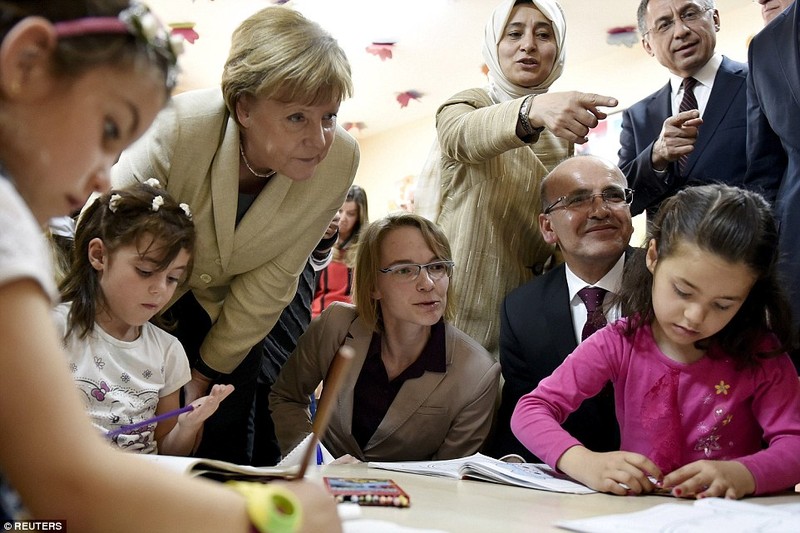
x,y
138,21
186,210
154,183
113,202
158,201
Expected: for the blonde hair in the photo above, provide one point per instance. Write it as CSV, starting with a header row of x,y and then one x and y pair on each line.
x,y
365,279
279,54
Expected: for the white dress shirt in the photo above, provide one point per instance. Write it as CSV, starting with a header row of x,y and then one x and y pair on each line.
x,y
610,282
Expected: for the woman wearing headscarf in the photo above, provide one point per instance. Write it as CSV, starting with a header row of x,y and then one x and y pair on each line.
x,y
495,145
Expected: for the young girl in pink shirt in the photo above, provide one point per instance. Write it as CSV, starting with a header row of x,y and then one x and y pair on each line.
x,y
707,400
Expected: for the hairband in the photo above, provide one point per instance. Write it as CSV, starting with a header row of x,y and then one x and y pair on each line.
x,y
135,20
158,200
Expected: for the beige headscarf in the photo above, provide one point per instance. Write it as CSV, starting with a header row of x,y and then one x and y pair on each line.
x,y
500,88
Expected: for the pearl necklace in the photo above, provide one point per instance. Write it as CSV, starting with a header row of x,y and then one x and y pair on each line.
x,y
247,164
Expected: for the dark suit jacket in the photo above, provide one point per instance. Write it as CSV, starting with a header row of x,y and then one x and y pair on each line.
x,y
719,152
536,335
773,143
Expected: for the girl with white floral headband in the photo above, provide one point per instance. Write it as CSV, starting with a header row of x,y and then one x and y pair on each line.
x,y
133,248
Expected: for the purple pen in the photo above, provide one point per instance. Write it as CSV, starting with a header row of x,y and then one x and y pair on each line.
x,y
159,418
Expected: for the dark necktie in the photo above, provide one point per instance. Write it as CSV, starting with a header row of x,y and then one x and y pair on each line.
x,y
593,300
689,102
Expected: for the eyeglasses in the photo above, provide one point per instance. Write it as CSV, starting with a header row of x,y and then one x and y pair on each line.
x,y
614,197
688,18
410,271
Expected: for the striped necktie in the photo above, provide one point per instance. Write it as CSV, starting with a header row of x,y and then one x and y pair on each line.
x,y
689,102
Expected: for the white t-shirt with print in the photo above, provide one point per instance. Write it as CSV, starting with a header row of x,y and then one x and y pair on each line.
x,y
24,252
121,382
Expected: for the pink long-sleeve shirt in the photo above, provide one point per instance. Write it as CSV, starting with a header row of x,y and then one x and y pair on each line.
x,y
671,412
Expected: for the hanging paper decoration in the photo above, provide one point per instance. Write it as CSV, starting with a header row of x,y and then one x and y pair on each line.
x,y
405,97
354,125
626,35
185,30
382,50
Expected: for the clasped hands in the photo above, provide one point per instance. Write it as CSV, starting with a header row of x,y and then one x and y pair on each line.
x,y
677,138
632,473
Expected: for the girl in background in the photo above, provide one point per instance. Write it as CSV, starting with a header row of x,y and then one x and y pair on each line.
x,y
79,81
133,248
707,400
335,282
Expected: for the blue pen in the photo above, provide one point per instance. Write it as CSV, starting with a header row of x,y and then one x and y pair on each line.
x,y
319,454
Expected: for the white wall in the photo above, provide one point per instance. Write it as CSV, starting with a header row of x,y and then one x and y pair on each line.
x,y
628,74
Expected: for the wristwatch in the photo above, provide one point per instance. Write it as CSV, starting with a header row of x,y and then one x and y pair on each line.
x,y
531,133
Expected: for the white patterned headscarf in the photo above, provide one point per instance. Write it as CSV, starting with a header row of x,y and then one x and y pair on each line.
x,y
500,88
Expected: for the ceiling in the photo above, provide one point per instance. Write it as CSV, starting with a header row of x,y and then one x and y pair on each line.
x,y
438,48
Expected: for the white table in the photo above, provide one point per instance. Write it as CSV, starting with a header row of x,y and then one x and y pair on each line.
x,y
475,506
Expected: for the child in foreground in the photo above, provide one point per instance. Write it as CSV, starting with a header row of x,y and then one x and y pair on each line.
x,y
79,81
707,400
133,248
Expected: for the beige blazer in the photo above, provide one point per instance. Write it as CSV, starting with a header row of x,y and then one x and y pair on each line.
x,y
436,416
490,205
243,276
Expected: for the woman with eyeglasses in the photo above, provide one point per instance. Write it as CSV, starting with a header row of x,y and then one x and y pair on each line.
x,y
418,388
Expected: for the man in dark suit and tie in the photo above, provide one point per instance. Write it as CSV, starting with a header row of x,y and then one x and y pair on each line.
x,y
692,130
585,211
773,144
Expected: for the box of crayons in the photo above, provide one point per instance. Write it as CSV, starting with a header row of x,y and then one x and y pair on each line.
x,y
382,492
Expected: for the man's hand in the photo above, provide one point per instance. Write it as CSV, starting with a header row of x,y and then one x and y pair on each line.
x,y
569,115
196,388
333,226
677,138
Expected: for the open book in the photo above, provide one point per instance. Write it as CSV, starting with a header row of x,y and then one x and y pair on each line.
x,y
481,467
288,468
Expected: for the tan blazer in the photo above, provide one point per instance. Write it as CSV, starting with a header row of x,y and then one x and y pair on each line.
x,y
490,205
435,416
243,276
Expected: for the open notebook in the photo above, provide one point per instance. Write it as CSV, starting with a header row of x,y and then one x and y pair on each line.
x,y
288,468
481,467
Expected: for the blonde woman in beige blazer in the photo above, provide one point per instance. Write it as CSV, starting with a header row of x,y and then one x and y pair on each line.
x,y
495,146
264,168
418,388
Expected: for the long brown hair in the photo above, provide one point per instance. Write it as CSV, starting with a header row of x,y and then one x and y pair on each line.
x,y
738,226
119,218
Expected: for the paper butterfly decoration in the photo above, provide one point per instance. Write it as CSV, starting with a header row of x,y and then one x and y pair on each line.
x,y
626,35
382,50
186,30
405,97
354,125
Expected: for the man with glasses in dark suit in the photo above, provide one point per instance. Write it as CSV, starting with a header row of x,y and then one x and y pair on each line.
x,y
586,213
692,130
